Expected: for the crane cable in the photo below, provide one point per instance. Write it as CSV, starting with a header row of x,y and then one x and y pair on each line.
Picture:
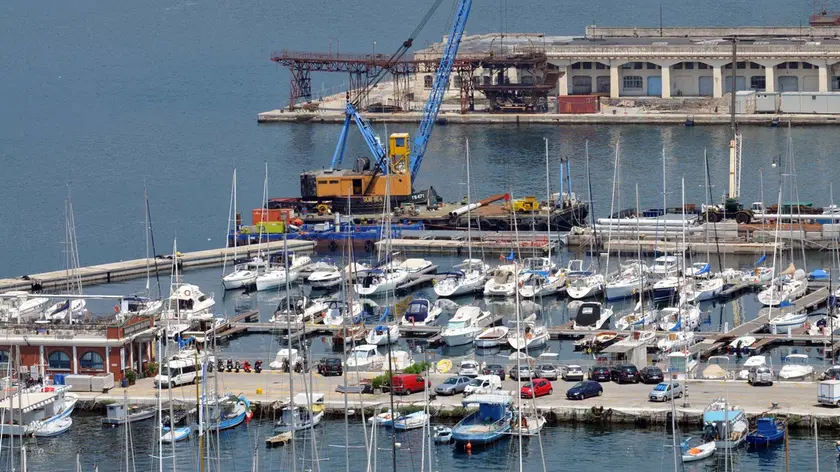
x,y
398,54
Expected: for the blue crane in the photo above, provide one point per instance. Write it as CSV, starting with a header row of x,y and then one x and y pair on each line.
x,y
430,111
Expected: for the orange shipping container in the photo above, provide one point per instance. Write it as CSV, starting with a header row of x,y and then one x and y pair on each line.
x,y
258,215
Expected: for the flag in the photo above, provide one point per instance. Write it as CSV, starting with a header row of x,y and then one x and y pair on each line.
x,y
384,316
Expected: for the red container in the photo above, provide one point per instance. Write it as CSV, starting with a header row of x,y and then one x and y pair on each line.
x,y
258,215
574,104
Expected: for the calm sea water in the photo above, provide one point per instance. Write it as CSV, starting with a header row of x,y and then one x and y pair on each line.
x,y
106,97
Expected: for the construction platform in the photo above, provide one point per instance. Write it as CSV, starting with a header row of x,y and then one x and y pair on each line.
x,y
114,271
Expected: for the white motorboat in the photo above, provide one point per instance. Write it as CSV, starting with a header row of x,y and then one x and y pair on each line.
x,y
684,318
66,310
791,320
716,368
752,361
19,306
413,267
35,409
534,336
306,414
782,291
590,315
242,276
538,264
586,287
284,359
415,420
365,358
638,319
50,429
336,313
299,310
397,360
380,335
384,419
188,302
699,270
465,325
420,312
628,280
697,453
725,425
175,435
469,277
275,277
795,367
707,288
760,275
665,266
492,336
502,282
378,282
326,276
675,341
540,283
742,342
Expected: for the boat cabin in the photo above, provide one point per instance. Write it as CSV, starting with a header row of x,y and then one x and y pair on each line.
x,y
588,314
20,411
363,356
417,311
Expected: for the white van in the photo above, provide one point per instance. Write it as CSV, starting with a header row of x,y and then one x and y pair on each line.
x,y
181,371
483,384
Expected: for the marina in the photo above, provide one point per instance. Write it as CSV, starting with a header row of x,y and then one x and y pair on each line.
x,y
449,247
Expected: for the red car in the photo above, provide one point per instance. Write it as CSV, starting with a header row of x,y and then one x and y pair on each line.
x,y
536,388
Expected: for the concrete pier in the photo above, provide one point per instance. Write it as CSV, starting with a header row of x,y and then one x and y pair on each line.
x,y
107,273
619,403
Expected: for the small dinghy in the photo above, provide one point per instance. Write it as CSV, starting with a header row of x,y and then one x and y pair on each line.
x,y
52,428
691,454
414,420
492,336
278,439
178,434
443,434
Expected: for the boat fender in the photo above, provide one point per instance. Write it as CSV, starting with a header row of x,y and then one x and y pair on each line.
x,y
116,308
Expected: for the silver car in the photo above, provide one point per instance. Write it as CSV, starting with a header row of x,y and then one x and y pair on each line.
x,y
546,371
665,391
573,373
453,385
760,375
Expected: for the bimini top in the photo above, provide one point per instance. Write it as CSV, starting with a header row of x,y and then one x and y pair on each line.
x,y
488,398
718,415
303,399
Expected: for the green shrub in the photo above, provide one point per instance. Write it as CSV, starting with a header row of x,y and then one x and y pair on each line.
x,y
417,368
380,380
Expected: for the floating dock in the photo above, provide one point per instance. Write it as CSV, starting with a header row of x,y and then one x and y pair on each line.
x,y
114,271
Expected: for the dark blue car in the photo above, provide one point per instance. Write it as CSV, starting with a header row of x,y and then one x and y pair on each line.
x,y
585,389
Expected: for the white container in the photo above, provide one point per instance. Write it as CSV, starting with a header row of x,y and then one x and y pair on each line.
x,y
829,393
102,383
78,382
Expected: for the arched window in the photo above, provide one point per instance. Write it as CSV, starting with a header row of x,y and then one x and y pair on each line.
x,y
427,81
92,360
59,360
4,359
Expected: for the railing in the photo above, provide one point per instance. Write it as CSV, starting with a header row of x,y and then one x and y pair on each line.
x,y
723,51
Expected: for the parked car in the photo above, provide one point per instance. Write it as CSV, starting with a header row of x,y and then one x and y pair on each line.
x,y
573,372
651,375
585,389
495,369
536,388
760,375
546,371
483,384
599,373
523,372
453,385
832,373
624,373
330,366
664,391
468,368
406,384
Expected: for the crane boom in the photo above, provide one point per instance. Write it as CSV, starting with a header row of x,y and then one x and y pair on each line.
x,y
369,136
439,86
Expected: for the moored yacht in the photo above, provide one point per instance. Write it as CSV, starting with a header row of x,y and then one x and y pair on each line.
x,y
465,325
468,277
502,282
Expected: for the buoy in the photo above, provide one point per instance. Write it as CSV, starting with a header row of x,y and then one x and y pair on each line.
x,y
398,445
468,446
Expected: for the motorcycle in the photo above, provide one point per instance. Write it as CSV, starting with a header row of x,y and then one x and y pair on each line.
x,y
236,367
230,365
246,367
220,365
258,366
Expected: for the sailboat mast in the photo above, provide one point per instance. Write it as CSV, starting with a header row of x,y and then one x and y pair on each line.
x,y
548,202
146,234
160,413
388,328
469,220
125,416
231,209
292,408
519,333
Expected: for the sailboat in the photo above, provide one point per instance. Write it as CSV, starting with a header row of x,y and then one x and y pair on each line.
x,y
469,276
242,275
791,284
71,308
533,337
